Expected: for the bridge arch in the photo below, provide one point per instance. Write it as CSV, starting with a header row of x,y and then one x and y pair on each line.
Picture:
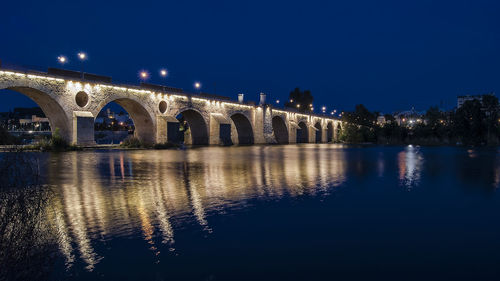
x,y
319,132
302,132
243,128
280,130
143,120
51,107
197,132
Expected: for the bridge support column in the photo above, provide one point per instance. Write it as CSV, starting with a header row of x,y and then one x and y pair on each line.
x,y
259,126
83,128
267,124
220,130
168,129
324,135
311,135
292,134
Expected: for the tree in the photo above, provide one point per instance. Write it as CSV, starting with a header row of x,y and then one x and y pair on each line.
x,y
490,107
300,100
468,123
360,116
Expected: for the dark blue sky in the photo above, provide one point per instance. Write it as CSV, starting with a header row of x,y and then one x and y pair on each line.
x,y
388,55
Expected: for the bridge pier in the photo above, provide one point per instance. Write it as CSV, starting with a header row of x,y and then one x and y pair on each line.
x,y
324,135
83,128
220,130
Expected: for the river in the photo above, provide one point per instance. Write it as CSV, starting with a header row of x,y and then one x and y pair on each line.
x,y
293,212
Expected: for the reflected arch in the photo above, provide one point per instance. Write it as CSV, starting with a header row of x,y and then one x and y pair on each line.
x,y
302,133
197,131
144,127
280,130
58,119
244,128
319,132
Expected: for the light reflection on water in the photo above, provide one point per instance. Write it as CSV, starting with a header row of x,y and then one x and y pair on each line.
x,y
410,163
310,205
116,194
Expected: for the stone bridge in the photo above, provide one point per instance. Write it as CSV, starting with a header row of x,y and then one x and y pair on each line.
x,y
72,100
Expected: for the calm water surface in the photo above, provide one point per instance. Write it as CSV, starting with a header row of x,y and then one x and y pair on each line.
x,y
297,212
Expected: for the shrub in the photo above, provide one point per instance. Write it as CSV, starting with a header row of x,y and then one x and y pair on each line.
x,y
132,142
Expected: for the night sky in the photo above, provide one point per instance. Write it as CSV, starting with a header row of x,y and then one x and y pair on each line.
x,y
388,55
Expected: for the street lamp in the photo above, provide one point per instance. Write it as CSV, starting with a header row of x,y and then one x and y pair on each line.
x,y
82,56
277,101
163,73
143,75
298,105
62,59
197,85
323,109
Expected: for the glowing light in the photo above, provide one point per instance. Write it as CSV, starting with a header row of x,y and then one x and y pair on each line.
x,y
277,101
197,85
143,75
82,56
62,59
291,100
323,108
298,105
311,105
163,72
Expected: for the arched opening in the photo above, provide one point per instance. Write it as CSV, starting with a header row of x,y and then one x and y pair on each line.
x,y
122,118
194,129
302,133
243,127
30,114
329,132
319,132
280,130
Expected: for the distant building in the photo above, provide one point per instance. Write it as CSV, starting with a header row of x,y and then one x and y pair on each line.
x,y
462,99
409,118
381,120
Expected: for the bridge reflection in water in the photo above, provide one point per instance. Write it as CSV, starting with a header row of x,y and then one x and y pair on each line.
x,y
103,195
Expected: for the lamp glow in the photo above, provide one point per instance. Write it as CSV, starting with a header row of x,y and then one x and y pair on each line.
x,y
143,75
163,73
197,85
82,56
62,59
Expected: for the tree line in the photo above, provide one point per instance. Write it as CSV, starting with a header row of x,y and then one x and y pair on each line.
x,y
474,123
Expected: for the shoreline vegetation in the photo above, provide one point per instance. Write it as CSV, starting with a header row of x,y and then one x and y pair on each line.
x,y
475,123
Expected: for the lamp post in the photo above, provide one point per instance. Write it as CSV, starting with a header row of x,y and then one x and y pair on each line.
x,y
197,86
82,56
143,75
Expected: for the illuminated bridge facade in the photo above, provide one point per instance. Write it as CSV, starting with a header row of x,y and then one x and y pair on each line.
x,y
72,100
